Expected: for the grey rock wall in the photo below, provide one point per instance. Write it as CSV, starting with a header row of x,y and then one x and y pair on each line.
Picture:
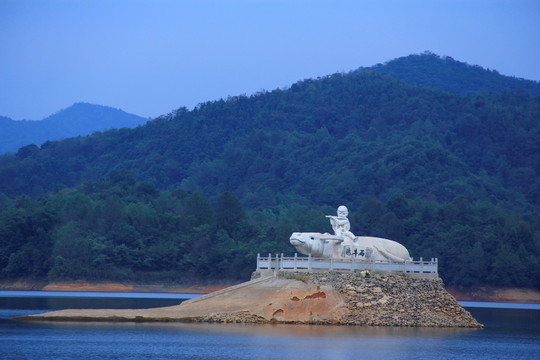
x,y
384,299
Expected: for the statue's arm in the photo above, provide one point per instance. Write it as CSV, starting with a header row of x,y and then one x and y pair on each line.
x,y
332,219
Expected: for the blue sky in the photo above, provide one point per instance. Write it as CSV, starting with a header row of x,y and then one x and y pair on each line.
x,y
149,57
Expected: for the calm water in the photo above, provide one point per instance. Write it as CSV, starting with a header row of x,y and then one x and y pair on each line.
x,y
510,333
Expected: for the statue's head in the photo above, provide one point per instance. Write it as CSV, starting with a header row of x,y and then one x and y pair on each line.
x,y
308,243
342,211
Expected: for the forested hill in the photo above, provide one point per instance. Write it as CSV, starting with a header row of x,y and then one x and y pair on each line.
x,y
78,119
449,74
449,175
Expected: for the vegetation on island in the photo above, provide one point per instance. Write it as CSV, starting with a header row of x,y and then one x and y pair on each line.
x,y
196,194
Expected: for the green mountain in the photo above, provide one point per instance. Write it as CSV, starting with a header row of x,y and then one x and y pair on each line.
x,y
78,119
195,194
448,74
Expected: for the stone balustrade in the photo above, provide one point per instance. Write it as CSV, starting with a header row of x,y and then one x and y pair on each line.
x,y
420,267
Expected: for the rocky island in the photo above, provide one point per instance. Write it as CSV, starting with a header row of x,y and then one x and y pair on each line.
x,y
329,298
308,296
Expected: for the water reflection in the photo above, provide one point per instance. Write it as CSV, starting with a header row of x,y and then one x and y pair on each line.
x,y
336,342
322,331
245,341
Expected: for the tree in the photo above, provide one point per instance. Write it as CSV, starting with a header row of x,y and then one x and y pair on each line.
x,y
229,213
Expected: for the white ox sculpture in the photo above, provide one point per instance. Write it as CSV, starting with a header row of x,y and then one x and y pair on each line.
x,y
340,247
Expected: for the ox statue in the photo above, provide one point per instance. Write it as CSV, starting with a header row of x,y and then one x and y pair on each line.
x,y
362,247
344,244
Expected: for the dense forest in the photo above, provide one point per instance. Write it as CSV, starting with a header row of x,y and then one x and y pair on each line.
x,y
195,194
449,74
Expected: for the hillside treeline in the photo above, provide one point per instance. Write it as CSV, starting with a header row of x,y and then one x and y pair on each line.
x,y
119,229
448,175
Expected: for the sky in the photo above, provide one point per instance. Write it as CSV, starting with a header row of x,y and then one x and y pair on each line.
x,y
150,57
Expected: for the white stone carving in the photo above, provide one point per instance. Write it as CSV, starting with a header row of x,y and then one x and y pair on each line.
x,y
340,223
344,244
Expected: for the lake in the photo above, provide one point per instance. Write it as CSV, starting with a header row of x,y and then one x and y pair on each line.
x,y
512,331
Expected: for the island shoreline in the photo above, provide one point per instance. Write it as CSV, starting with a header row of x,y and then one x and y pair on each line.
x,y
325,298
481,294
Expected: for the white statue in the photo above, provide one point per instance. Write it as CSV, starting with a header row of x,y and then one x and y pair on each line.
x,y
344,245
362,248
340,223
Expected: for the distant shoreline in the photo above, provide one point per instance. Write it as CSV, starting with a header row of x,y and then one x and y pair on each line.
x,y
486,294
489,294
112,287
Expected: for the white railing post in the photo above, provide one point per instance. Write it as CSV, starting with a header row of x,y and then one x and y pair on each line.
x,y
421,265
295,258
258,257
281,262
309,261
331,262
269,261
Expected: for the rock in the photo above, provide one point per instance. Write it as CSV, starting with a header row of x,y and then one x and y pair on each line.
x,y
318,298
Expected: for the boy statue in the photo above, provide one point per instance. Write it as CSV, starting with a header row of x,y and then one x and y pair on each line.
x,y
340,223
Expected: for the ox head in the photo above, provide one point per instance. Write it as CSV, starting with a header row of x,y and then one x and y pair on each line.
x,y
307,243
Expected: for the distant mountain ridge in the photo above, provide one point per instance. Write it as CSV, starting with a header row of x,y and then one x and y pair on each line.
x,y
78,119
445,73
